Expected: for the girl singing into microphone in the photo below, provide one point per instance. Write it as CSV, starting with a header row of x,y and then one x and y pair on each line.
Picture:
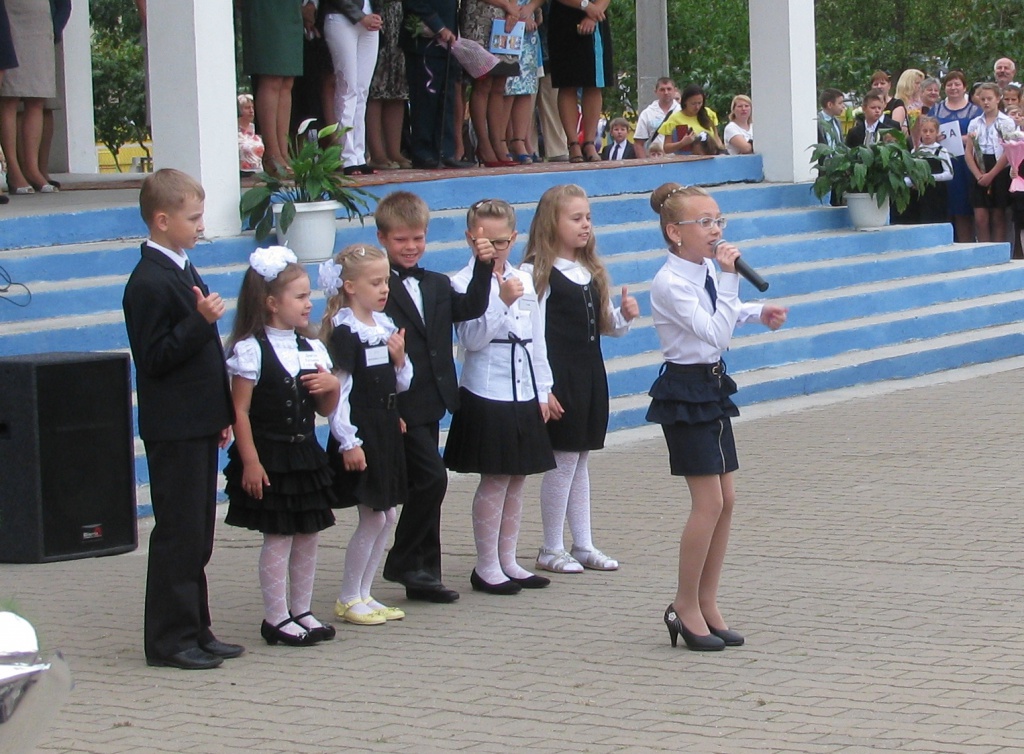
x,y
695,317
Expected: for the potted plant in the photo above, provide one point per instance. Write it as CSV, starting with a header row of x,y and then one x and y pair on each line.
x,y
872,177
305,204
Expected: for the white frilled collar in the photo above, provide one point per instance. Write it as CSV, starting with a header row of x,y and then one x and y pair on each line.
x,y
383,328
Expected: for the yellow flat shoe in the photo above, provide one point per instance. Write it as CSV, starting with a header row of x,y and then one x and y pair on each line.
x,y
389,613
344,611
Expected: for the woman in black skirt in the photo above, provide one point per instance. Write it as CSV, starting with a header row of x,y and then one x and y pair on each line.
x,y
695,319
498,429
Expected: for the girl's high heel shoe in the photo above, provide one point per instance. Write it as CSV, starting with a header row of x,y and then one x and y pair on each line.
x,y
593,156
274,634
730,637
708,643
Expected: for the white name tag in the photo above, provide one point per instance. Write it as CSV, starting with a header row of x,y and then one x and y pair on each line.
x,y
376,355
528,302
308,361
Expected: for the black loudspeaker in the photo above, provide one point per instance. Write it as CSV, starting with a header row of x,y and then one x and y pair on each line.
x,y
67,474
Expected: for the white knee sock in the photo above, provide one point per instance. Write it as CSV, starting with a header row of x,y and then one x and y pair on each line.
x,y
488,503
377,553
511,518
301,574
274,557
555,488
578,510
357,556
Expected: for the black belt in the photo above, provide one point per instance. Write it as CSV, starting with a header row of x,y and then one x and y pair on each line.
x,y
282,437
714,370
514,340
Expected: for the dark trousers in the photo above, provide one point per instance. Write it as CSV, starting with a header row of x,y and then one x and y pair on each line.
x,y
418,534
431,105
183,487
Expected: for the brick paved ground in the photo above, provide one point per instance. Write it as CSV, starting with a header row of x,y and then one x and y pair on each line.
x,y
874,568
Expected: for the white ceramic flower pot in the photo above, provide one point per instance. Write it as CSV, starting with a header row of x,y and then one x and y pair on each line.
x,y
311,234
865,212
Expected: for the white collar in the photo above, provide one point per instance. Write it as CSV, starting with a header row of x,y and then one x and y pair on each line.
x,y
690,271
383,328
180,258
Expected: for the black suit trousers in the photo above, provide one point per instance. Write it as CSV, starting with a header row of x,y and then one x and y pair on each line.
x,y
418,534
183,487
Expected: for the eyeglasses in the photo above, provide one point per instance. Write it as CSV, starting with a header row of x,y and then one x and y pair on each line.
x,y
499,244
705,222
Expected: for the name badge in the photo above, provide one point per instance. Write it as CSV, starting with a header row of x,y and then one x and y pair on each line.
x,y
376,355
528,303
308,361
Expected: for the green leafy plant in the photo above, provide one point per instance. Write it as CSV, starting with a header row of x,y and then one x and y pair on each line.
x,y
878,170
316,175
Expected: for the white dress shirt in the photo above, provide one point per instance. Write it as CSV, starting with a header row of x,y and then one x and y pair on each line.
x,y
246,358
691,331
488,367
412,285
344,431
180,258
989,135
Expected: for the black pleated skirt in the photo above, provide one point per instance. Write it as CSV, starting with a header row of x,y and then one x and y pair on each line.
x,y
692,404
497,437
299,498
382,484
582,389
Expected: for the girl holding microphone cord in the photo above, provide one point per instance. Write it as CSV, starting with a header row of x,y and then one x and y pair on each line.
x,y
695,317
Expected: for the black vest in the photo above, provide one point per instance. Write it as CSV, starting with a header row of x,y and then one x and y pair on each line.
x,y
281,405
572,311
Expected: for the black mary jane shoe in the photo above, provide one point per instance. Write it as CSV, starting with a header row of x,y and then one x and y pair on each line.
x,y
323,632
533,581
730,637
274,634
504,588
707,643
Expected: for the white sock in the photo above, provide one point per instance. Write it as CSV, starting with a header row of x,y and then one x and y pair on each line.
x,y
578,510
274,557
377,555
554,498
301,574
488,503
357,556
511,518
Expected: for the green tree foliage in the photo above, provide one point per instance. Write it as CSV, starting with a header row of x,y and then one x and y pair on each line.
x,y
709,43
118,75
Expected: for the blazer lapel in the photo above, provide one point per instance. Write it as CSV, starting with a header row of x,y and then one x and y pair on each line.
x,y
183,276
400,295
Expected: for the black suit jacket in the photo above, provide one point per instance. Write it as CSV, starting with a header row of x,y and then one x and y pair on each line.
x,y
435,387
855,138
629,153
182,383
435,15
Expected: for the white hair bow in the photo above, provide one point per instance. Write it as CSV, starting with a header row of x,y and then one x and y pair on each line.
x,y
270,261
329,278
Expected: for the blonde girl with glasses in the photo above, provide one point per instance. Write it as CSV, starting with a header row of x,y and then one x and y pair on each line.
x,y
695,315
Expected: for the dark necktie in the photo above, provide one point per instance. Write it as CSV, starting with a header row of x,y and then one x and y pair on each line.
x,y
709,286
415,271
616,151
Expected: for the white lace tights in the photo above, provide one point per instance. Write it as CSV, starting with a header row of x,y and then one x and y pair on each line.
x,y
287,570
565,493
497,513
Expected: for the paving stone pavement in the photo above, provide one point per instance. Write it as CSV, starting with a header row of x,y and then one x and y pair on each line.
x,y
874,568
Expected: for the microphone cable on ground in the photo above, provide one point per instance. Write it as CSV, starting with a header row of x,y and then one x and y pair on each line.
x,y
6,284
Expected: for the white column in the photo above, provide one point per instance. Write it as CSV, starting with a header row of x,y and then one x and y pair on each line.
x,y
651,49
783,83
192,80
74,132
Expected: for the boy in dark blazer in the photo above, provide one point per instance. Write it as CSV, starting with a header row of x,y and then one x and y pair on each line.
x,y
185,414
873,120
426,306
619,147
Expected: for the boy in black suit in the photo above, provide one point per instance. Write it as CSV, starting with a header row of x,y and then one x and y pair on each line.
x,y
185,414
619,148
873,120
426,306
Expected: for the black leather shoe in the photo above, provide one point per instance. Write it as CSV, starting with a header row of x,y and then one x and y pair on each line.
x,y
452,163
323,632
192,658
504,588
222,649
419,579
533,581
730,637
439,594
706,643
426,164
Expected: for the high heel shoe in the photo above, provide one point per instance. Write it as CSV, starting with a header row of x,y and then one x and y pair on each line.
x,y
522,159
323,632
595,157
274,634
505,587
577,156
708,643
730,637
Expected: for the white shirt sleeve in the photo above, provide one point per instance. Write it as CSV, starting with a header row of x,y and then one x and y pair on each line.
x,y
404,375
340,421
246,360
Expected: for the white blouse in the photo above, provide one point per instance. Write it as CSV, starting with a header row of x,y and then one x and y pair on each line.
x,y
488,367
732,130
691,331
246,358
580,275
989,135
344,431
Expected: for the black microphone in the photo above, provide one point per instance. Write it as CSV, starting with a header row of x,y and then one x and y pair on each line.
x,y
749,273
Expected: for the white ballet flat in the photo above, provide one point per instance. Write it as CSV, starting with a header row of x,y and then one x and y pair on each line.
x,y
595,559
